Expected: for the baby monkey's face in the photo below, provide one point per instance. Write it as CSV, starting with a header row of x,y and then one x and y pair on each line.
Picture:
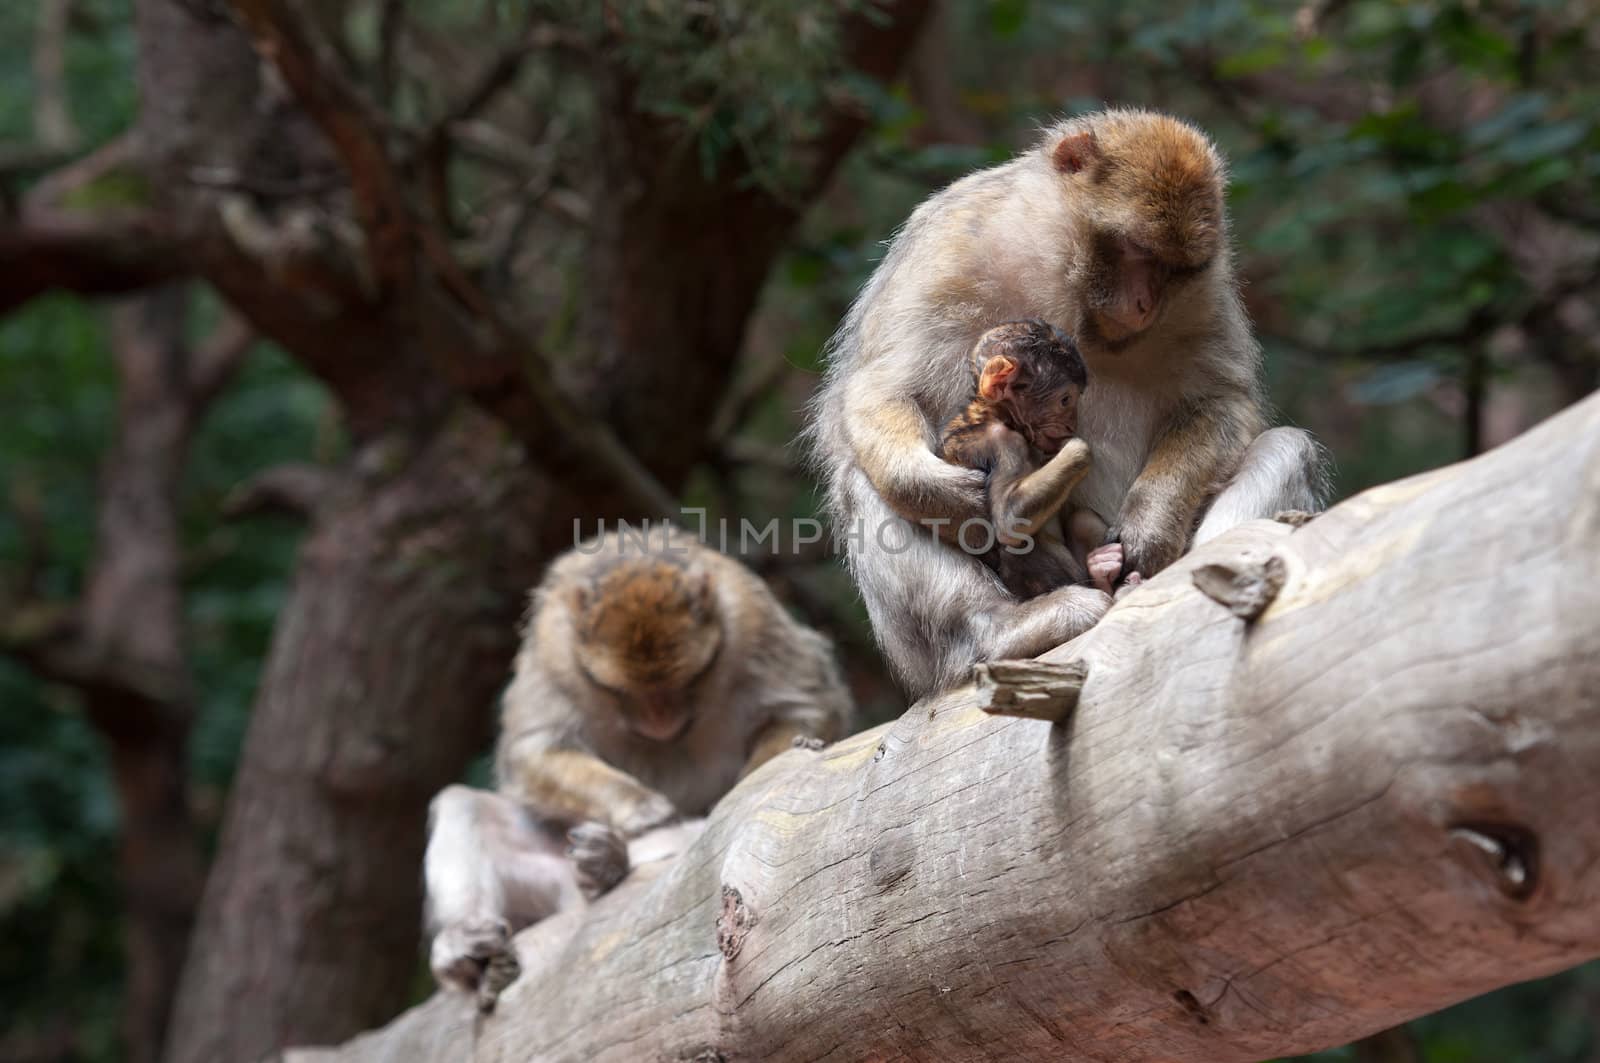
x,y
1033,375
1047,416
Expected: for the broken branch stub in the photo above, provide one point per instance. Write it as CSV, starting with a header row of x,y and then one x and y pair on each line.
x,y
1033,690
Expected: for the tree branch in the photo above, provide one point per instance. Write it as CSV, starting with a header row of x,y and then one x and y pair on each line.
x,y
219,357
1250,839
105,253
296,490
508,376
108,249
52,111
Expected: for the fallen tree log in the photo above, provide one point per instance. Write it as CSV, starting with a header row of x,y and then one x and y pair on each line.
x,y
1252,836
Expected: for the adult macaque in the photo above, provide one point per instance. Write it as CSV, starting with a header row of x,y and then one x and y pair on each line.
x,y
654,673
1112,227
1027,379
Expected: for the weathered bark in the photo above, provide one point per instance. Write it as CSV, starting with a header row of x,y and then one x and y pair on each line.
x,y
1254,837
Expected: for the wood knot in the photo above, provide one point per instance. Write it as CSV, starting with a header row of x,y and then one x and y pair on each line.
x,y
704,1055
809,743
1033,690
878,754
1192,1007
1295,518
733,923
891,859
1509,852
1245,587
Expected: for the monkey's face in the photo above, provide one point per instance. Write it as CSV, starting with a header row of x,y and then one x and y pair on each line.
x,y
1033,374
1149,190
647,635
1127,284
1046,416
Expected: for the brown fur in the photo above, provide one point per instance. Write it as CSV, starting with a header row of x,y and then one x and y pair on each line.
x,y
1114,228
645,623
653,674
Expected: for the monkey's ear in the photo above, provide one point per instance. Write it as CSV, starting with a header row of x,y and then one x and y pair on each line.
x,y
997,375
1075,152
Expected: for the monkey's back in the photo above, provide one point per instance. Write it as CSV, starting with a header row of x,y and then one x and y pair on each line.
x,y
966,440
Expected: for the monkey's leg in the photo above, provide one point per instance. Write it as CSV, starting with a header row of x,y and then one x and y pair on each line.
x,y
1026,629
1085,531
1050,564
936,611
489,870
1282,469
576,786
1022,505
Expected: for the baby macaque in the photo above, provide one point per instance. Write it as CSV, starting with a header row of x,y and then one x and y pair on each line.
x,y
1028,378
654,674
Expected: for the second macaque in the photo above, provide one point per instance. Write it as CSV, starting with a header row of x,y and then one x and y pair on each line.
x,y
1019,429
654,674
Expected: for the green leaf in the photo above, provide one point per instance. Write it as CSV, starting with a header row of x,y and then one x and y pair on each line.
x,y
1007,17
1262,57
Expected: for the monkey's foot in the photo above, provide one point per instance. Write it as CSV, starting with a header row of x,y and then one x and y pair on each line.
x,y
1105,565
501,970
599,857
1133,580
475,956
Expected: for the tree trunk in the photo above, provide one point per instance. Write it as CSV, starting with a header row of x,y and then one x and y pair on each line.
x,y
378,688
1254,837
133,614
123,646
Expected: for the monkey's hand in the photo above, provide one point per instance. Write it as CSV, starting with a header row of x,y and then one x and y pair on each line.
x,y
1105,569
577,786
1193,454
936,494
646,811
1105,565
1149,545
599,857
889,436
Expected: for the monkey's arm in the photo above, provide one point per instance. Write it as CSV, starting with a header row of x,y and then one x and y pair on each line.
x,y
889,434
1020,501
1192,456
573,785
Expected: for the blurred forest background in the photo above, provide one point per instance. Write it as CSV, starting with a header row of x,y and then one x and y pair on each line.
x,y
305,372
